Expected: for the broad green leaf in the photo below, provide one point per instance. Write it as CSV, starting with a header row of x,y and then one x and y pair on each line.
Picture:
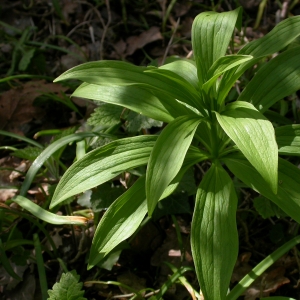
x,y
118,74
211,34
185,68
278,78
182,89
278,38
47,216
119,222
222,65
254,136
288,195
103,164
288,139
106,72
126,213
167,156
129,97
68,288
214,237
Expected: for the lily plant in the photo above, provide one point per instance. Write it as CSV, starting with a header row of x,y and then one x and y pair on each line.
x,y
234,137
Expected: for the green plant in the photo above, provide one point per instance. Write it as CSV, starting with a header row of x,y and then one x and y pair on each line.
x,y
191,96
67,288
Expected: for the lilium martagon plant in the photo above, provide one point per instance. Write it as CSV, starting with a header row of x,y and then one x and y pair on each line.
x,y
191,97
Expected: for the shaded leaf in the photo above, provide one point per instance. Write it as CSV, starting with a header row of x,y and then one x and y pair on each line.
x,y
136,122
288,194
266,208
105,115
288,139
68,288
119,222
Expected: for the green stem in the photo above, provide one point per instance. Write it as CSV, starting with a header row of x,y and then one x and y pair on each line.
x,y
40,265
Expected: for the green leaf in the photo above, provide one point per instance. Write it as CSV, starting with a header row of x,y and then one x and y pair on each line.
x,y
185,68
47,216
103,164
30,153
266,208
167,156
125,215
214,237
254,136
288,195
26,58
117,76
68,288
119,222
130,97
105,115
222,65
181,89
50,150
288,139
104,195
275,80
278,38
136,122
211,34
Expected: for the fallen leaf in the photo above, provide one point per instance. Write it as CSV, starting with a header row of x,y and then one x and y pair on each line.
x,y
146,37
16,105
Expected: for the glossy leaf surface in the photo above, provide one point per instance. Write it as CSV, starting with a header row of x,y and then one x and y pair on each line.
x,y
278,38
278,78
103,164
254,136
214,237
119,222
167,156
211,34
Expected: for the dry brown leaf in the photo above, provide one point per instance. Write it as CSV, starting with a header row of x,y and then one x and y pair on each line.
x,y
16,105
138,42
266,284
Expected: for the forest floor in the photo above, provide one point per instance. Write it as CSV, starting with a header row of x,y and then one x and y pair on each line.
x,y
40,39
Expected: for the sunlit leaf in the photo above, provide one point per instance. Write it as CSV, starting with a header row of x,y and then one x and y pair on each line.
x,y
214,237
211,34
254,136
278,38
103,164
275,80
